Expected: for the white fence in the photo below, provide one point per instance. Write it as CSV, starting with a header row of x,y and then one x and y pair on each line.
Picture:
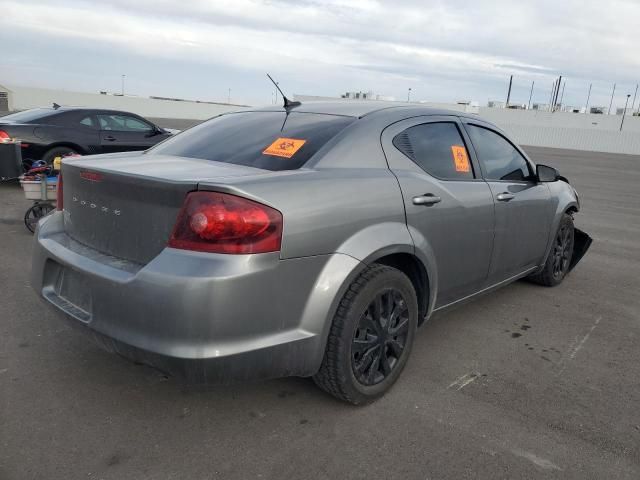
x,y
23,98
598,133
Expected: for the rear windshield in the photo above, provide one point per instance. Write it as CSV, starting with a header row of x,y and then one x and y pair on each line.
x,y
267,140
28,115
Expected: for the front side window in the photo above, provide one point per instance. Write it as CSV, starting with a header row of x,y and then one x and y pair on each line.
x,y
437,148
122,123
501,160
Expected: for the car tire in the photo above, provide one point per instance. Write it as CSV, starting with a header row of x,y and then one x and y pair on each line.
x,y
363,333
50,155
558,262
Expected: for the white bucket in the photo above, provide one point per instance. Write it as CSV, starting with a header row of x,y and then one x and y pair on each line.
x,y
33,189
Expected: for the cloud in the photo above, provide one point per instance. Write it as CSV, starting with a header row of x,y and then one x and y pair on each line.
x,y
443,50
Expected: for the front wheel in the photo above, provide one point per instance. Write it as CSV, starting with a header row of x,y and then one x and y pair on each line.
x,y
559,259
371,336
51,155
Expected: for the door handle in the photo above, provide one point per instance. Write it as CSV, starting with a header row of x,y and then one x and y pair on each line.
x,y
426,199
109,138
505,196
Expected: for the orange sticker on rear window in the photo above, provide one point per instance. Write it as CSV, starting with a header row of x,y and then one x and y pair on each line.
x,y
284,147
460,158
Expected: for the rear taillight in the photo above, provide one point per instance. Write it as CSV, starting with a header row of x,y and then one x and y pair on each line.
x,y
223,223
4,137
59,203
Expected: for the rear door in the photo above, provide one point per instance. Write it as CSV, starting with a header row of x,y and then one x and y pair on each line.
x,y
522,205
122,133
446,200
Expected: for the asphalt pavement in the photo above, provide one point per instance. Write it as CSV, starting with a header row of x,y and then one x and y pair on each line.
x,y
527,382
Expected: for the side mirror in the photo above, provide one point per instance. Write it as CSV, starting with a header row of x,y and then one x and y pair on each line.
x,y
155,131
546,174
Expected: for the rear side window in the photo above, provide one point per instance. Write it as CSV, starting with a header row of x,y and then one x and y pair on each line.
x,y
267,140
501,160
437,148
87,121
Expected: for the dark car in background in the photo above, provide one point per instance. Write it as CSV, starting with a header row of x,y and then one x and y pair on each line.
x,y
47,133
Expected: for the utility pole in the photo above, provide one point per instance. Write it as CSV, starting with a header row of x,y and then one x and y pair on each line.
x,y
409,95
586,109
122,89
611,102
531,95
555,96
562,96
509,91
625,111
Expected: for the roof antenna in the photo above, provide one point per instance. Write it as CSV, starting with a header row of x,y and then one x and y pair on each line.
x,y
287,103
56,106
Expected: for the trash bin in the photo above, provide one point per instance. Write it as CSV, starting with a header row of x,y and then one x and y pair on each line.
x,y
10,160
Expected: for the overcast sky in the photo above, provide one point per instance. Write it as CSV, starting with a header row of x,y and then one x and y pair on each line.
x,y
443,50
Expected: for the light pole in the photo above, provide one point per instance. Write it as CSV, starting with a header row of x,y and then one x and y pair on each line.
x,y
122,89
625,111
409,95
531,95
586,109
611,102
229,96
634,98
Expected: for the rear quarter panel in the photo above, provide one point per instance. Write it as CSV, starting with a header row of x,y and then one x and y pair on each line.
x,y
350,211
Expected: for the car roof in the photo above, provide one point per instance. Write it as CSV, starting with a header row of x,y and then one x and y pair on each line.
x,y
61,109
359,109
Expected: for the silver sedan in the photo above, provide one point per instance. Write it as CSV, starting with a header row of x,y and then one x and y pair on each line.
x,y
310,240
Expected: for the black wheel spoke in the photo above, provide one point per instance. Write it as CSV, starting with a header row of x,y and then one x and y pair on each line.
x,y
398,309
401,328
396,348
375,367
366,360
385,364
360,347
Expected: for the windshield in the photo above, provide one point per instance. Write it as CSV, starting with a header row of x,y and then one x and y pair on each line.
x,y
28,115
267,140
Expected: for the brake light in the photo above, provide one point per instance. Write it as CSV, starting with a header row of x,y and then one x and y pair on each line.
x,y
4,137
59,203
223,223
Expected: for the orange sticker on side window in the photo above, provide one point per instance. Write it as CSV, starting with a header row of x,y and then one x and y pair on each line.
x,y
284,147
460,158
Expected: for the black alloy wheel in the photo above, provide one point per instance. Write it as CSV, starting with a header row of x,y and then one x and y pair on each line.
x,y
380,337
562,249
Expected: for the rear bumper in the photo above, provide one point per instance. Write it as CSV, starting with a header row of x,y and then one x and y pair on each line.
x,y
205,317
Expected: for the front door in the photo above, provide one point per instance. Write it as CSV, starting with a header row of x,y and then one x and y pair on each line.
x,y
123,133
523,208
449,207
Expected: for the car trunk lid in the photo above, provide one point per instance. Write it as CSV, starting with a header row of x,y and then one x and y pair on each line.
x,y
126,205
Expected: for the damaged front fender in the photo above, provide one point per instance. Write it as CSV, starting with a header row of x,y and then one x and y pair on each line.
x,y
581,243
